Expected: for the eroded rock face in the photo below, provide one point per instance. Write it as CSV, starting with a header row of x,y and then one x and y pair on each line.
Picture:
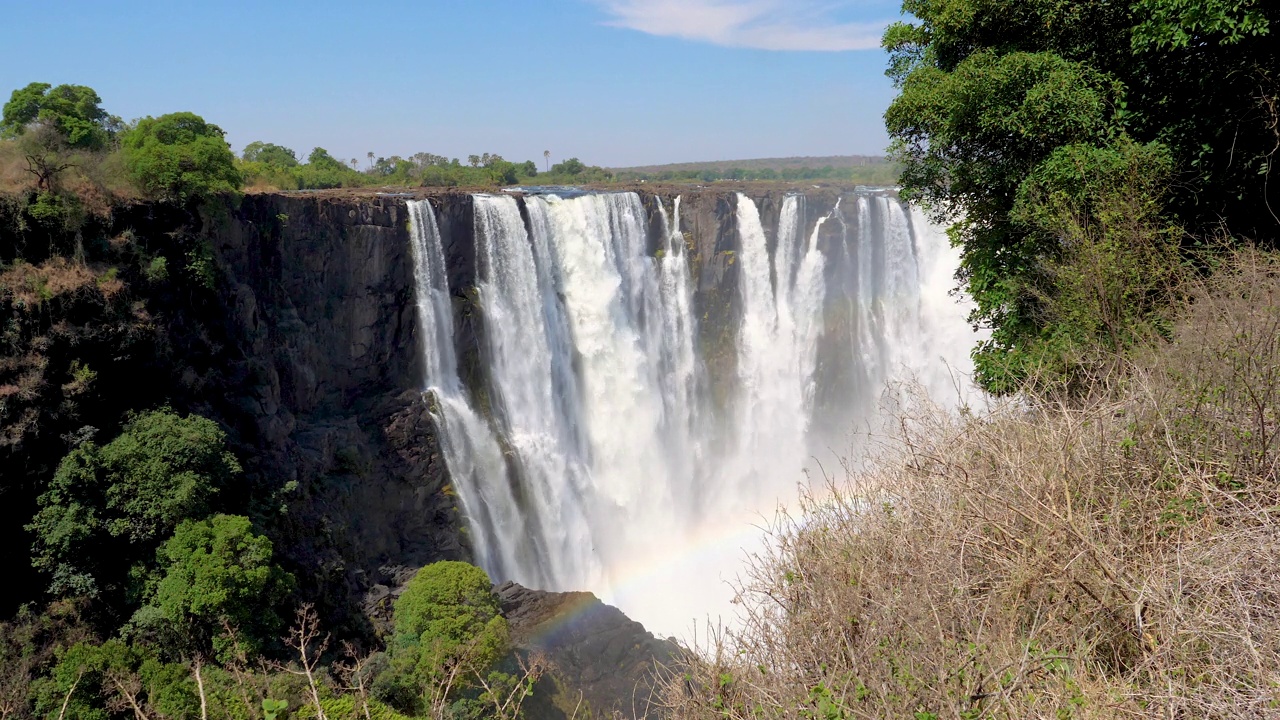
x,y
305,348
322,383
600,656
324,373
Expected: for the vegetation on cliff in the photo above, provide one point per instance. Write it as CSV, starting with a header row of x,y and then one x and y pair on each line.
x,y
145,569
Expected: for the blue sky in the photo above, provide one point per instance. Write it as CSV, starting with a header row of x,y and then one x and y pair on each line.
x,y
613,82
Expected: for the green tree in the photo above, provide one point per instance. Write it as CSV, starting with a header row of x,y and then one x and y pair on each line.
x,y
572,166
90,679
54,125
180,157
72,690
74,112
109,506
997,97
321,158
449,631
270,154
212,571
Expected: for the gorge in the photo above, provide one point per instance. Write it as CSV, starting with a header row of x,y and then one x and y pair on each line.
x,y
592,391
590,394
640,386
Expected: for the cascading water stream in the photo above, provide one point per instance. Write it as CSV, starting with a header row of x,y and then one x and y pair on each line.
x,y
471,451
593,456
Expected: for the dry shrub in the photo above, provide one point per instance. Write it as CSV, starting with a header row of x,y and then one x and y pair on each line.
x,y
14,177
98,180
1114,557
30,285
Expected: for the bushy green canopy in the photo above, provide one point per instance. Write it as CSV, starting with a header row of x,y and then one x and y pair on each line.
x,y
180,157
111,505
271,154
74,111
447,621
214,570
993,91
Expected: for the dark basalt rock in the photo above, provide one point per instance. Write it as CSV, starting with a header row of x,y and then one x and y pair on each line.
x,y
600,656
305,348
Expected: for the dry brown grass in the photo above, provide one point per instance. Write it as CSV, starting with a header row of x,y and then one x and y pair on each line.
x,y
14,178
97,180
30,285
1116,557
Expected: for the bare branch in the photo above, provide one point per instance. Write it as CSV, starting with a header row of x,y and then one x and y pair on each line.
x,y
305,638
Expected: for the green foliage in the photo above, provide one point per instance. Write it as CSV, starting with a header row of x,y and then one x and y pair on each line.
x,y
54,211
179,157
109,506
92,678
271,709
216,570
349,707
270,154
157,270
1010,104
447,624
450,601
572,166
74,111
1107,269
74,682
1183,23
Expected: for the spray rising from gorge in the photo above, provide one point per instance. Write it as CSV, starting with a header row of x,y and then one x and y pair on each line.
x,y
616,443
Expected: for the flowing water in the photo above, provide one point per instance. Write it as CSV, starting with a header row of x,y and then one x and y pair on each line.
x,y
594,457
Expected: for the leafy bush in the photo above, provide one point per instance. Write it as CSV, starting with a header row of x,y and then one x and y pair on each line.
x,y
449,633
998,98
109,506
212,572
180,157
1108,273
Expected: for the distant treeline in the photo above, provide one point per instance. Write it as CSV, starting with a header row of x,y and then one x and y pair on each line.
x,y
779,164
872,173
268,166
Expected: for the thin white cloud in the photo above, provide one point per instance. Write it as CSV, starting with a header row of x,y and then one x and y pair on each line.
x,y
762,24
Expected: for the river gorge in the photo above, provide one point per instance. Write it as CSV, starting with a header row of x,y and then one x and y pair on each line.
x,y
640,387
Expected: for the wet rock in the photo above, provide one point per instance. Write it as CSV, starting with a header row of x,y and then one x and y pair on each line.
x,y
599,654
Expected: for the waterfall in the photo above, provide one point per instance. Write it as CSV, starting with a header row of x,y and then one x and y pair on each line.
x,y
590,454
474,458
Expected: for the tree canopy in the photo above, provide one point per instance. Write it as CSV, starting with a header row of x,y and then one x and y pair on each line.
x,y
997,96
179,157
448,624
214,570
73,111
111,505
270,154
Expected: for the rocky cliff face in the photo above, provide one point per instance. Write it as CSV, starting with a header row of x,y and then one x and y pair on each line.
x,y
319,310
318,300
304,345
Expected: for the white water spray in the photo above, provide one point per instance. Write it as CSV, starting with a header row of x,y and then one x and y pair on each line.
x,y
593,457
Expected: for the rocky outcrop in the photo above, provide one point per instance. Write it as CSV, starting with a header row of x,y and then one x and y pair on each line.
x,y
602,660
